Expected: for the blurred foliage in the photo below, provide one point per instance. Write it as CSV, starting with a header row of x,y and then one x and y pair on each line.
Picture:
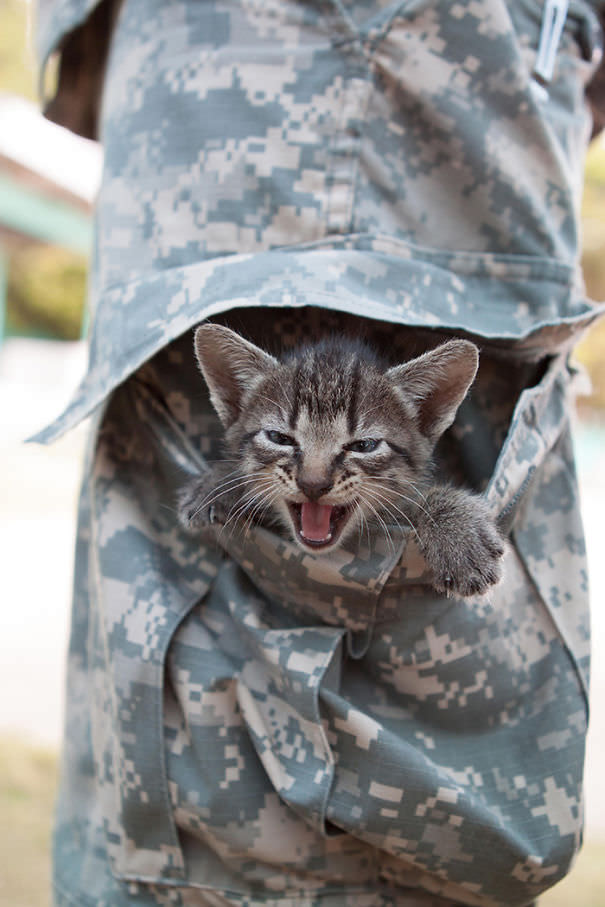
x,y
27,792
17,63
585,884
46,293
46,285
591,351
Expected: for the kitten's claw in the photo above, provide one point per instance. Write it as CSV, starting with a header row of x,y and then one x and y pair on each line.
x,y
189,513
194,513
207,501
461,544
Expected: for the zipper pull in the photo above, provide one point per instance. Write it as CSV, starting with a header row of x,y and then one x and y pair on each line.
x,y
553,20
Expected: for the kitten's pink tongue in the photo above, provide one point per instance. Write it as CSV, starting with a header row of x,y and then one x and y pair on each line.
x,y
315,521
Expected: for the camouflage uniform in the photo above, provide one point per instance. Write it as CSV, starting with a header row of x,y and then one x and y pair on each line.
x,y
246,723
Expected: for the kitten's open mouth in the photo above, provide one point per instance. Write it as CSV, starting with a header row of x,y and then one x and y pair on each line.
x,y
318,525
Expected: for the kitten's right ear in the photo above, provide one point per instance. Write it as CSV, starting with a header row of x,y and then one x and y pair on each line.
x,y
436,383
231,366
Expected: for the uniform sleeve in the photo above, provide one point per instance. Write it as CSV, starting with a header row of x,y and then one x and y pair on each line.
x,y
595,91
83,56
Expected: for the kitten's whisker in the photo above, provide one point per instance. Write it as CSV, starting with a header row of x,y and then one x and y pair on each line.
x,y
257,513
233,481
392,509
284,391
371,480
410,501
226,487
387,505
261,508
250,497
233,471
359,512
226,478
278,405
239,476
418,492
287,396
363,522
381,521
242,505
383,504
243,499
406,518
368,412
267,486
367,526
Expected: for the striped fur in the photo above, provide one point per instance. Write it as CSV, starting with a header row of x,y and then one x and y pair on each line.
x,y
330,436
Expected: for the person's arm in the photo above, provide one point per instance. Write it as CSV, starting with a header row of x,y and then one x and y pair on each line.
x,y
595,91
83,57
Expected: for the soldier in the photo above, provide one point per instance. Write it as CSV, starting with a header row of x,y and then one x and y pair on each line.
x,y
246,723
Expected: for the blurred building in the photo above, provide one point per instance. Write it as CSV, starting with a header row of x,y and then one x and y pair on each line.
x,y
48,181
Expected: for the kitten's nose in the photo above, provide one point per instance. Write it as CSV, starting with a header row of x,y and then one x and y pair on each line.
x,y
314,488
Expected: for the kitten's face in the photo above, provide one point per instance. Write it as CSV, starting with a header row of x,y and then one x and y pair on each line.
x,y
329,449
328,440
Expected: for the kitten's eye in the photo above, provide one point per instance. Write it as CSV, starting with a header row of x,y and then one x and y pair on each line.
x,y
365,445
277,437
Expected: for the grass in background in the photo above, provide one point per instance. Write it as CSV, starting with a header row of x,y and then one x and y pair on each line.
x,y
590,350
585,884
27,793
17,63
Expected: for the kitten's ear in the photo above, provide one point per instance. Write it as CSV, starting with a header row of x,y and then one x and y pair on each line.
x,y
231,366
436,383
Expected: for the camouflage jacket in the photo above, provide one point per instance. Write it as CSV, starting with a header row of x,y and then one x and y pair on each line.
x,y
266,727
348,180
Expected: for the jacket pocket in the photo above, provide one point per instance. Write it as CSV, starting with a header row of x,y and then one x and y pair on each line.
x,y
534,493
461,731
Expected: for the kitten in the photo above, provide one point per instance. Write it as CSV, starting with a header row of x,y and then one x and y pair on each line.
x,y
328,440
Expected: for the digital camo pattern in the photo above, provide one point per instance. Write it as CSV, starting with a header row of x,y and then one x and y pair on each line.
x,y
247,723
276,727
393,160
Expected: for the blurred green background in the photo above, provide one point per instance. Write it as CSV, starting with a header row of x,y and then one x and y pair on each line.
x,y
46,284
45,297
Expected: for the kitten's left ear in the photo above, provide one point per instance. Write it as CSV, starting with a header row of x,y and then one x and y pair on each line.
x,y
436,383
231,366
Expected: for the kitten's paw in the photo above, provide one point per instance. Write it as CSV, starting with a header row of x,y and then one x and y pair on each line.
x,y
462,546
474,567
196,508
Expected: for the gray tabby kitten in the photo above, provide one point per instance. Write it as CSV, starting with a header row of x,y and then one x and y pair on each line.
x,y
328,440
